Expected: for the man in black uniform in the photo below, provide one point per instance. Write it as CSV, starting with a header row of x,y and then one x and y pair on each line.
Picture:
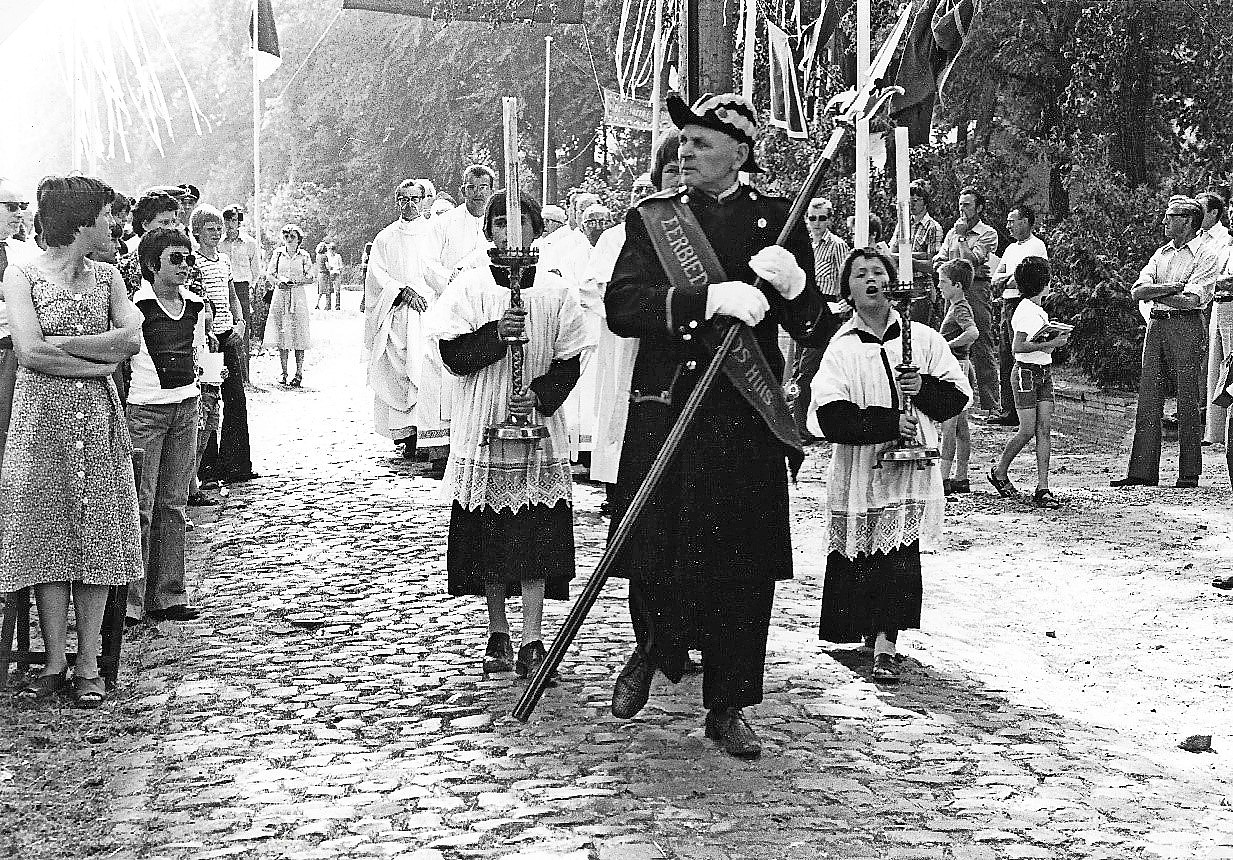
x,y
716,534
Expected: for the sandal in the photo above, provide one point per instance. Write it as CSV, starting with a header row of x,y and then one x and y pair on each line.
x,y
296,381
1003,485
43,687
283,381
88,693
1044,498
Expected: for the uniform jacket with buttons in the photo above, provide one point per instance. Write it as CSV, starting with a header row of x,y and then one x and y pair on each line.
x,y
722,511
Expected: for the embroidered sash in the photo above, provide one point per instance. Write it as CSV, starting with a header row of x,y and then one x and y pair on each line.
x,y
691,263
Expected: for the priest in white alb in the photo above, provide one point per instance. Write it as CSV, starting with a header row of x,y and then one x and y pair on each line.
x,y
401,285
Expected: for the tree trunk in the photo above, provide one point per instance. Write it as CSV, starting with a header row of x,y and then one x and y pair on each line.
x,y
1134,96
708,46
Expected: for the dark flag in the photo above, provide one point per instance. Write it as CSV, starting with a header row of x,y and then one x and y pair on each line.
x,y
268,58
819,33
935,40
787,106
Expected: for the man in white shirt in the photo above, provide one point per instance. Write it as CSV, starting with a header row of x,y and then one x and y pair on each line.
x,y
1178,281
401,283
1020,222
334,263
1220,328
247,268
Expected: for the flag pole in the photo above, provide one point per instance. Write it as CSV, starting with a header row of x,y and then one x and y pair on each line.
x,y
543,194
863,27
256,209
75,83
657,86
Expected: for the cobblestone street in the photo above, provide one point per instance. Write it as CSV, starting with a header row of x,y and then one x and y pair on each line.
x,y
330,704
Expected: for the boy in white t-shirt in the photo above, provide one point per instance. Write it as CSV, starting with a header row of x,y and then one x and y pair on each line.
x,y
1031,382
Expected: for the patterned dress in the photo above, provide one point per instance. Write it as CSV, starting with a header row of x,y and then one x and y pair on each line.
x,y
68,503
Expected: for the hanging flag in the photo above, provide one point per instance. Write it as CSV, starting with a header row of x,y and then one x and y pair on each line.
x,y
749,39
939,31
543,11
819,33
268,58
787,106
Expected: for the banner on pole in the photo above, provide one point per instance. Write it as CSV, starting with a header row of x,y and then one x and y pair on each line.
x,y
542,11
268,58
626,112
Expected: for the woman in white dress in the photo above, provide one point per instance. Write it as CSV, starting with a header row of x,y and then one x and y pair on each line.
x,y
287,328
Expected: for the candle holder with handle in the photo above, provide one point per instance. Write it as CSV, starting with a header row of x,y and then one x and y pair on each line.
x,y
516,428
907,450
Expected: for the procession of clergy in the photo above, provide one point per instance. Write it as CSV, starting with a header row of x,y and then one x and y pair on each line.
x,y
611,334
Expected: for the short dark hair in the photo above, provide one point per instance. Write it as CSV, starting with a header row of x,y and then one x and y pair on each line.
x,y
150,248
1027,212
669,147
959,272
232,212
121,204
1211,201
845,273
1032,276
920,188
496,206
975,192
150,206
479,170
68,203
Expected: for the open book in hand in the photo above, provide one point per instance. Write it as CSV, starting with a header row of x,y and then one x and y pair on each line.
x,y
1050,330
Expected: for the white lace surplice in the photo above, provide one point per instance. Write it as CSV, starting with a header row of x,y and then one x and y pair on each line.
x,y
508,476
878,510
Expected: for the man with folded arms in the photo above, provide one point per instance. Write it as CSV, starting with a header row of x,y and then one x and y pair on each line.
x,y
1178,282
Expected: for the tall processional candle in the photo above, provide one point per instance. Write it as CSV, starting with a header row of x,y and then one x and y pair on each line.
x,y
517,257
903,179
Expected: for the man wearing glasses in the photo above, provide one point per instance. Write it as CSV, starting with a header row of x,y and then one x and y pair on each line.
x,y
829,252
401,284
458,235
12,214
247,269
1178,282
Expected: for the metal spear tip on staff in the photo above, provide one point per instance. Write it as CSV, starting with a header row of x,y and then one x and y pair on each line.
x,y
861,106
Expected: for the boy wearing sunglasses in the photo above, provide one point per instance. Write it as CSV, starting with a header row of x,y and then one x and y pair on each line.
x,y
162,419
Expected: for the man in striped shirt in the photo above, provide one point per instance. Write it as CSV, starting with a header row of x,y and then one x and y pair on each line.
x,y
829,252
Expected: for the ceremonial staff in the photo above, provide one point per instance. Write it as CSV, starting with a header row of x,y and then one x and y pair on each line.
x,y
862,104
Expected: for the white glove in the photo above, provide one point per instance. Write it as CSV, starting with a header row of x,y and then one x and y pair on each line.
x,y
779,268
736,299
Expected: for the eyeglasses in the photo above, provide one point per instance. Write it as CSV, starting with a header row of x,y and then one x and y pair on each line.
x,y
553,221
401,198
177,258
817,217
16,207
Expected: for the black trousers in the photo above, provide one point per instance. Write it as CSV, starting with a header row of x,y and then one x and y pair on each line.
x,y
729,620
232,454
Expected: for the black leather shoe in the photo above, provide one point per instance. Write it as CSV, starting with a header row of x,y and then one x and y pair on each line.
x,y
530,658
885,669
175,613
202,500
733,731
633,685
1186,483
240,477
1225,583
1122,483
1003,421
499,655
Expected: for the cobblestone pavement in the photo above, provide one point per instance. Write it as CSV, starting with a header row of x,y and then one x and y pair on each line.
x,y
330,703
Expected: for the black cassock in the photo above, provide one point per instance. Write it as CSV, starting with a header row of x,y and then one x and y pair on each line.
x,y
704,560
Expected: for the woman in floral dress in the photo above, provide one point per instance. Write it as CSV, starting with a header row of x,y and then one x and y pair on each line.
x,y
287,328
68,503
